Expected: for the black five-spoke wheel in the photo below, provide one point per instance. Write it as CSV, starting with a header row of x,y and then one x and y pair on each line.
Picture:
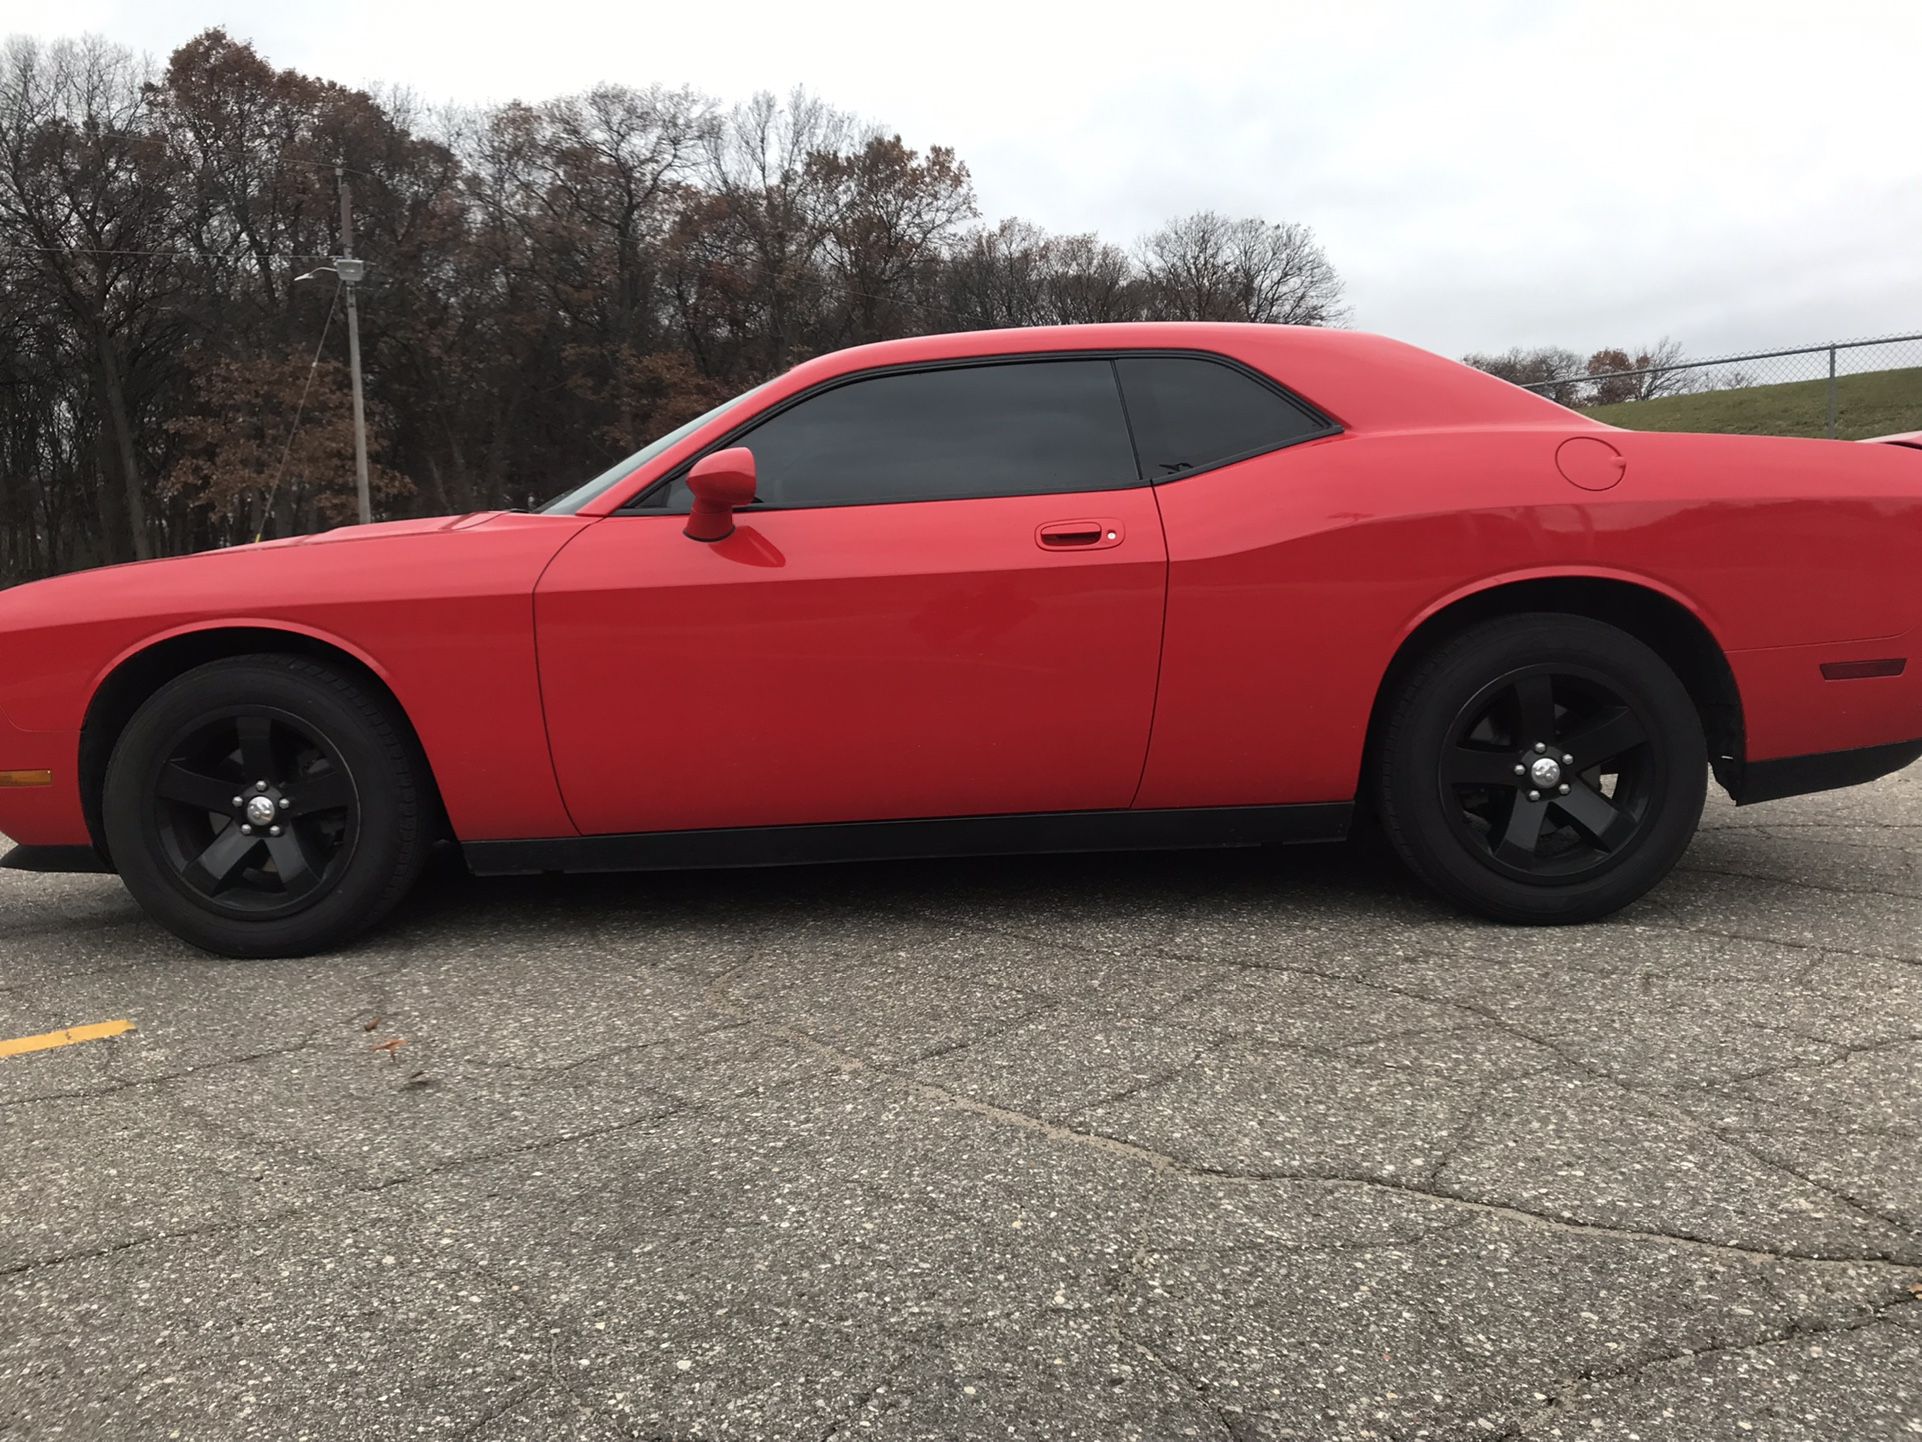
x,y
1542,768
256,813
1551,772
267,805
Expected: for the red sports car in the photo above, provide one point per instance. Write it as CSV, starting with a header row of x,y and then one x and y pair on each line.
x,y
1055,589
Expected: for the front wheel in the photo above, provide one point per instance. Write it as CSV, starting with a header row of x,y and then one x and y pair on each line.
x,y
266,806
1543,769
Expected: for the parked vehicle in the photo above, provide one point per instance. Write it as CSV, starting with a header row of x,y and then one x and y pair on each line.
x,y
1053,589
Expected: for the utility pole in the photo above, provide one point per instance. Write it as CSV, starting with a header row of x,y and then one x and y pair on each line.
x,y
350,272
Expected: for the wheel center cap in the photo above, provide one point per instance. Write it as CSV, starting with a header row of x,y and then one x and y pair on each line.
x,y
1545,771
261,809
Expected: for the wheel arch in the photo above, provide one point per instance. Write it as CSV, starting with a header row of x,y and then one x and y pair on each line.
x,y
137,673
1665,622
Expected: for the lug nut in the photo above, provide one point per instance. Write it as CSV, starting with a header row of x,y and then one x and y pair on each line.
x,y
1541,745
285,803
1568,761
245,829
238,800
1519,771
1534,796
275,830
1564,792
262,785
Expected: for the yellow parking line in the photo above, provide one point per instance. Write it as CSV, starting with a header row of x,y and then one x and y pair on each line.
x,y
72,1034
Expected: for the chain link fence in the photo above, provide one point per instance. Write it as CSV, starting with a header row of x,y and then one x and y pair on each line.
x,y
1847,390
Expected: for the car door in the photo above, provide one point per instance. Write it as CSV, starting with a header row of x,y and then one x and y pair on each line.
x,y
946,602
1251,489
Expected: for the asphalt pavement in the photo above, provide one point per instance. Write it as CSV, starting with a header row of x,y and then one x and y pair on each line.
x,y
1249,1145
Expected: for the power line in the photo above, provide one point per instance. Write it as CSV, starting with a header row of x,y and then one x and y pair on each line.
x,y
327,165
828,281
175,254
267,506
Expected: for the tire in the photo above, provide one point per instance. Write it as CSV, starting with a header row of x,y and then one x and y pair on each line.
x,y
331,843
1564,840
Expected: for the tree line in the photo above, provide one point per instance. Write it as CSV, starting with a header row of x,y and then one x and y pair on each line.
x,y
550,285
1608,376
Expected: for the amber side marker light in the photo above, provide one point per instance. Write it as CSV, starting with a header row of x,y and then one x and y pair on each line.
x,y
41,777
1863,670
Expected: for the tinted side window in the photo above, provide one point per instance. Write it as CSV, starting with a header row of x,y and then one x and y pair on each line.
x,y
994,430
1188,413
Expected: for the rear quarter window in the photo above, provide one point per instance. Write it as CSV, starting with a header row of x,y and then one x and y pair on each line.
x,y
1188,412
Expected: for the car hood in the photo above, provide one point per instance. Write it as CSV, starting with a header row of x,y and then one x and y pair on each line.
x,y
376,531
429,583
373,531
287,571
383,530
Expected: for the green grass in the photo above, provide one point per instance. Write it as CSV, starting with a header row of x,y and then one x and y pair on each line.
x,y
1871,404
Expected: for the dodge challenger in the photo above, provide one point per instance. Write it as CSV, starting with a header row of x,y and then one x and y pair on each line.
x,y
1083,588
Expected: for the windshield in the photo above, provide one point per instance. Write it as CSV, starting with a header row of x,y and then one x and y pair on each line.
x,y
572,501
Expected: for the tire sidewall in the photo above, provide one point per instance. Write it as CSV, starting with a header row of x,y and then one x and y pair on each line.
x,y
1414,805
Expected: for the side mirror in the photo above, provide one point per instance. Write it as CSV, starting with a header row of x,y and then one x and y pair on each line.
x,y
719,483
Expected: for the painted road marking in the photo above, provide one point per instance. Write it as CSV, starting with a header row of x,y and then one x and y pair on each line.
x,y
47,1040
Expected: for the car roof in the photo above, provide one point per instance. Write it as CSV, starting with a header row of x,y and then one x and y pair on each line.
x,y
1361,381
1358,378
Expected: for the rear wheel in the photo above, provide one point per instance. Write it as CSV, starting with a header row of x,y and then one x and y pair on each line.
x,y
266,806
1542,769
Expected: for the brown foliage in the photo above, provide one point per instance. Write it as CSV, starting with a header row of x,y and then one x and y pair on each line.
x,y
235,460
549,285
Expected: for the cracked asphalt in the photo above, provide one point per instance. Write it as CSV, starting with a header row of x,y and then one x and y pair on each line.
x,y
1238,1146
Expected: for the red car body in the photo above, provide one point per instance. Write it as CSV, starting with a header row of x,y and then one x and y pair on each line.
x,y
1222,645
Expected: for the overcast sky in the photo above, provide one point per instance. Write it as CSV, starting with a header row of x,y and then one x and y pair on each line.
x,y
1482,175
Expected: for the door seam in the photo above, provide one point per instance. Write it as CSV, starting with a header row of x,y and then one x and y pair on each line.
x,y
540,680
1161,646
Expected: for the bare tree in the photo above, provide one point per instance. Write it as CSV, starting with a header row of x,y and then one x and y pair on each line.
x,y
1207,267
751,251
999,276
1017,274
85,191
550,284
892,214
1659,377
1639,375
1552,371
1091,281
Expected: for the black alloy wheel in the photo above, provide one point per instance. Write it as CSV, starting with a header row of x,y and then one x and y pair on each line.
x,y
255,812
1541,768
1550,772
267,805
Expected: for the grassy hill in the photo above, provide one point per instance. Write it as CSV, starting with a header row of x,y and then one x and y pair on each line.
x,y
1872,404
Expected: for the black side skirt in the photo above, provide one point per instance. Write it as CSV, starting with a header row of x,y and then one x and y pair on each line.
x,y
55,858
897,840
1823,771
